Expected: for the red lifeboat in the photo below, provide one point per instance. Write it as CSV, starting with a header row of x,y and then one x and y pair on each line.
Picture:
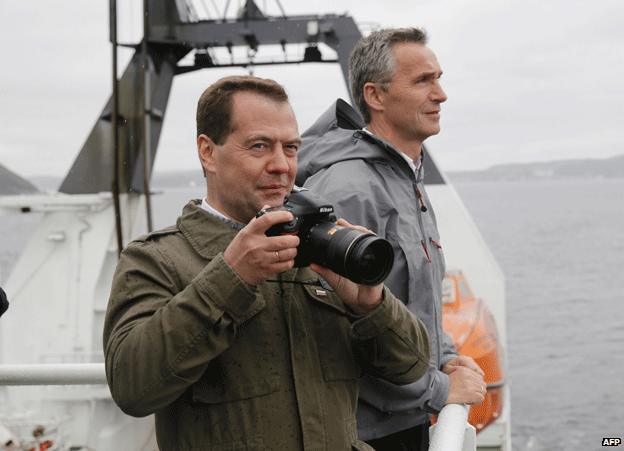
x,y
472,326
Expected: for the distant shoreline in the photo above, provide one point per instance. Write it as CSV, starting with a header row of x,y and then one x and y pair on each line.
x,y
594,169
572,170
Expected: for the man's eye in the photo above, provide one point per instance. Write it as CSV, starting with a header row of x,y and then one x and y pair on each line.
x,y
259,146
293,148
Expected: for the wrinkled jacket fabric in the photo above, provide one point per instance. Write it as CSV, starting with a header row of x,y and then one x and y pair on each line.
x,y
228,366
369,183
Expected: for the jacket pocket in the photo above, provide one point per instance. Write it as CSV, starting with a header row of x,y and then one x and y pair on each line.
x,y
436,244
213,390
332,328
439,258
247,369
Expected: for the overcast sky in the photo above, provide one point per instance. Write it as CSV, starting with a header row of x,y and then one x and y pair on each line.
x,y
527,80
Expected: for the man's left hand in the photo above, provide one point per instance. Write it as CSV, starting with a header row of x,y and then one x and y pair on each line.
x,y
361,299
462,360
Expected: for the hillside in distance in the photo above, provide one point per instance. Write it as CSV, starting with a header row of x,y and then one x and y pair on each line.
x,y
11,183
605,168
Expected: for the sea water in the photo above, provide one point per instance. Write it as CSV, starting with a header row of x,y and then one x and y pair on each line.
x,y
561,247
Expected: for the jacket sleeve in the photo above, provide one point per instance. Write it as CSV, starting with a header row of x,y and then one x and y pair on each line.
x,y
448,349
429,393
391,343
158,340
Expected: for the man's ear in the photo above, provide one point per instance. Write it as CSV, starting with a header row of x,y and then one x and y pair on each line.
x,y
206,149
374,96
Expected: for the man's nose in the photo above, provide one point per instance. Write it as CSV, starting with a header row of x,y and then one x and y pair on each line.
x,y
279,162
438,94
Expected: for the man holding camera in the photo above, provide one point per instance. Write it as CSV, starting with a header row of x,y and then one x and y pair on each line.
x,y
374,177
211,328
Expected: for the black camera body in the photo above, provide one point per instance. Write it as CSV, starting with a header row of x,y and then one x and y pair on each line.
x,y
361,257
308,211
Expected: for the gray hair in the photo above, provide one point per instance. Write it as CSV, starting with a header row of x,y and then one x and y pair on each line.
x,y
372,60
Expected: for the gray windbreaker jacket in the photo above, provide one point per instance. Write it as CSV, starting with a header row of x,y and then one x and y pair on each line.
x,y
370,183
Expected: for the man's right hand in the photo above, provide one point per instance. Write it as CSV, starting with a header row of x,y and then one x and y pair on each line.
x,y
254,256
466,386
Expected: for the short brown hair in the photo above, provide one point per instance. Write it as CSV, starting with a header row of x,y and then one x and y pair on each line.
x,y
214,108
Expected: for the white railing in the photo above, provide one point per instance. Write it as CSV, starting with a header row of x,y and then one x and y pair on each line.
x,y
53,374
452,432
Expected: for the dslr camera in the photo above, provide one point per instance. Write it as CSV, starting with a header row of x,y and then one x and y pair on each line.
x,y
361,257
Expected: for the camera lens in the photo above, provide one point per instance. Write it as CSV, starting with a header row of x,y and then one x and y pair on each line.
x,y
369,260
363,258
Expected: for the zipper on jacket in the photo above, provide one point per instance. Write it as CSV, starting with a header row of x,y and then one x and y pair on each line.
x,y
423,209
421,202
436,312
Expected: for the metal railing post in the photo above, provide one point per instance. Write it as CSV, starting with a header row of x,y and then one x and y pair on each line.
x,y
53,374
452,432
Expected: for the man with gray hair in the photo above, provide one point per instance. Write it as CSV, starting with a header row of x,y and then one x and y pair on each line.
x,y
373,175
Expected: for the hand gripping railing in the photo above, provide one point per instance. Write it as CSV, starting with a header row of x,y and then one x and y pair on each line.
x,y
53,374
452,432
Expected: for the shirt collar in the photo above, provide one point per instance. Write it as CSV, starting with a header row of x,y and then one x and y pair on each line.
x,y
210,209
213,211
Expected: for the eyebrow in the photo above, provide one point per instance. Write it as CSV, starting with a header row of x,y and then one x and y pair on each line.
x,y
431,73
295,141
266,138
258,137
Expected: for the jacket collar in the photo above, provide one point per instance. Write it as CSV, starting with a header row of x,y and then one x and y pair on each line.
x,y
392,152
207,234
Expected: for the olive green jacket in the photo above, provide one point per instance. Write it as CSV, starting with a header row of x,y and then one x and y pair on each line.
x,y
227,366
